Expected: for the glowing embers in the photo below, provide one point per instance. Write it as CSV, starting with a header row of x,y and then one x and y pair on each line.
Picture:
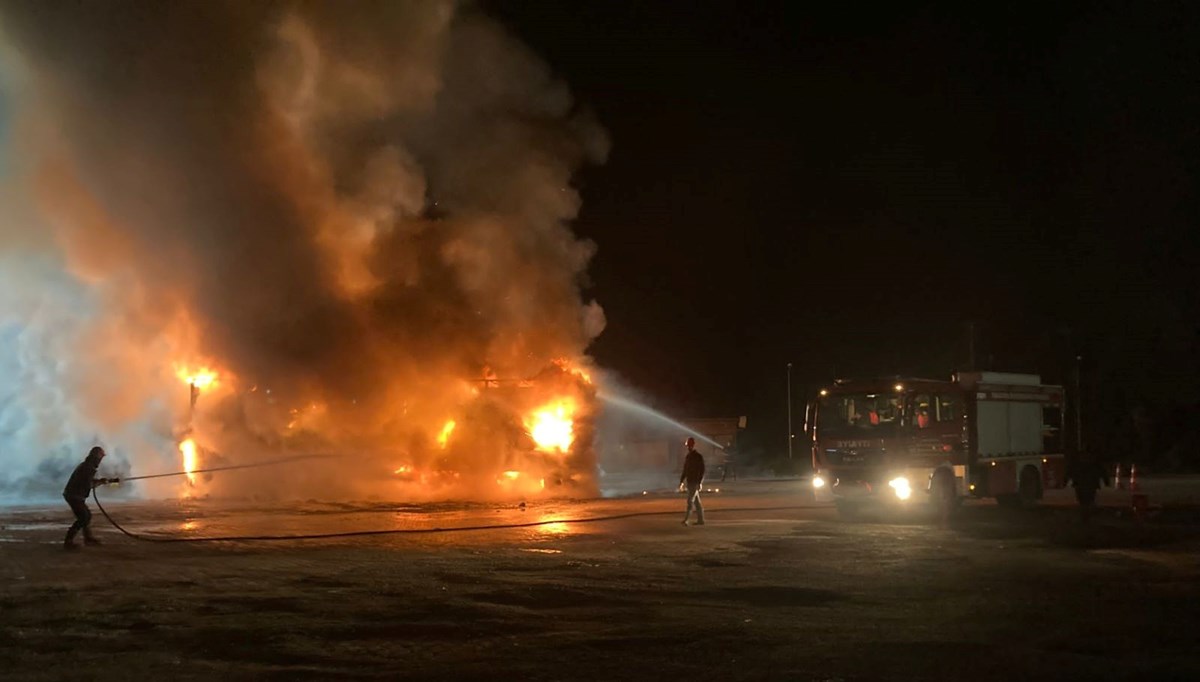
x,y
520,482
436,478
552,426
187,449
308,418
444,437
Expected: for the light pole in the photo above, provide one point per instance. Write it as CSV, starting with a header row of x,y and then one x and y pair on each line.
x,y
1078,405
789,389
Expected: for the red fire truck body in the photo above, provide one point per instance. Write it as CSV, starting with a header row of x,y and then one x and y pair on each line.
x,y
893,441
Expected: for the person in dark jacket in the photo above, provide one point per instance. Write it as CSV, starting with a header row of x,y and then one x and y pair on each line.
x,y
1087,475
79,486
693,477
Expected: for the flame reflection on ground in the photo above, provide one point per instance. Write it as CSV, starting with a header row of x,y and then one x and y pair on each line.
x,y
555,528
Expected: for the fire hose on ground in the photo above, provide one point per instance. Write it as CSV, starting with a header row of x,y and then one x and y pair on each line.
x,y
385,531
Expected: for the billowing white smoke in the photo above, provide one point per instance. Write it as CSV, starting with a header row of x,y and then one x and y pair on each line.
x,y
349,209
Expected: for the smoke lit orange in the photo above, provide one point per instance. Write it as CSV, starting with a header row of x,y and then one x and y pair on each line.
x,y
566,366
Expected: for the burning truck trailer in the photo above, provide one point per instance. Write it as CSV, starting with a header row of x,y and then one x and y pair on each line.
x,y
903,443
538,435
554,439
505,439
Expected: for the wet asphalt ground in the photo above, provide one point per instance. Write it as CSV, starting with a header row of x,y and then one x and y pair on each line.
x,y
774,586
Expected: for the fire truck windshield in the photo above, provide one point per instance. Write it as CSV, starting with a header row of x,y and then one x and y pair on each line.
x,y
858,413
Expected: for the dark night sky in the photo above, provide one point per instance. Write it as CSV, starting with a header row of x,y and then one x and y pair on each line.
x,y
845,189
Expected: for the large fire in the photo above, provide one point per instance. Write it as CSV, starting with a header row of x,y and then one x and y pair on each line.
x,y
552,427
516,437
282,277
199,380
537,429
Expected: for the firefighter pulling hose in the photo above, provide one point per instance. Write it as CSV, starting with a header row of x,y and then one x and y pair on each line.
x,y
346,534
83,482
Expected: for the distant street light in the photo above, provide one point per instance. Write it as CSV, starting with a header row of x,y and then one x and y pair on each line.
x,y
791,437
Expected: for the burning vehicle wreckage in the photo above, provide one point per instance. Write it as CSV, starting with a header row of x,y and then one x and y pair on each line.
x,y
505,439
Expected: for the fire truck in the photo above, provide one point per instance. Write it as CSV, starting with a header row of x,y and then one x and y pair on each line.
x,y
906,442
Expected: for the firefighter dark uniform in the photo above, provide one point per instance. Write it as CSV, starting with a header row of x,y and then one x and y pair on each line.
x,y
79,486
693,476
1087,475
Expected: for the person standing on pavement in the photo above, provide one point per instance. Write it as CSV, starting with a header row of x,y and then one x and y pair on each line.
x,y
693,478
78,488
1087,475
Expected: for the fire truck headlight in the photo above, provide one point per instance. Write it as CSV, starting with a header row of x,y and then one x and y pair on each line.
x,y
818,482
901,487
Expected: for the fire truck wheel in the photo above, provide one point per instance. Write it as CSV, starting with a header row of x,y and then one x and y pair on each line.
x,y
1029,488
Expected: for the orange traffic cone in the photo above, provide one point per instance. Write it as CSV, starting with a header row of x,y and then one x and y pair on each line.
x,y
1133,484
1117,478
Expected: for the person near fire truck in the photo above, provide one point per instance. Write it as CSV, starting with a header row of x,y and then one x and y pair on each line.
x,y
1087,475
76,492
693,478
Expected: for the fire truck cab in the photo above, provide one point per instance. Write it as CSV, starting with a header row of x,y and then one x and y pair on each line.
x,y
910,441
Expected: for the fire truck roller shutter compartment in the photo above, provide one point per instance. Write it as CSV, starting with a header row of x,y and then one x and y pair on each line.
x,y
1007,427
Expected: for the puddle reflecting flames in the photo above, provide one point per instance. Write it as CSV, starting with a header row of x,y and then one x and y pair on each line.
x,y
555,528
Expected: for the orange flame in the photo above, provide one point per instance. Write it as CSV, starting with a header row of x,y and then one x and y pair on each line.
x,y
552,427
188,449
507,479
202,378
444,437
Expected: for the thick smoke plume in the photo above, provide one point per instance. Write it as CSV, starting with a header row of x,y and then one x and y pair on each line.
x,y
356,214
